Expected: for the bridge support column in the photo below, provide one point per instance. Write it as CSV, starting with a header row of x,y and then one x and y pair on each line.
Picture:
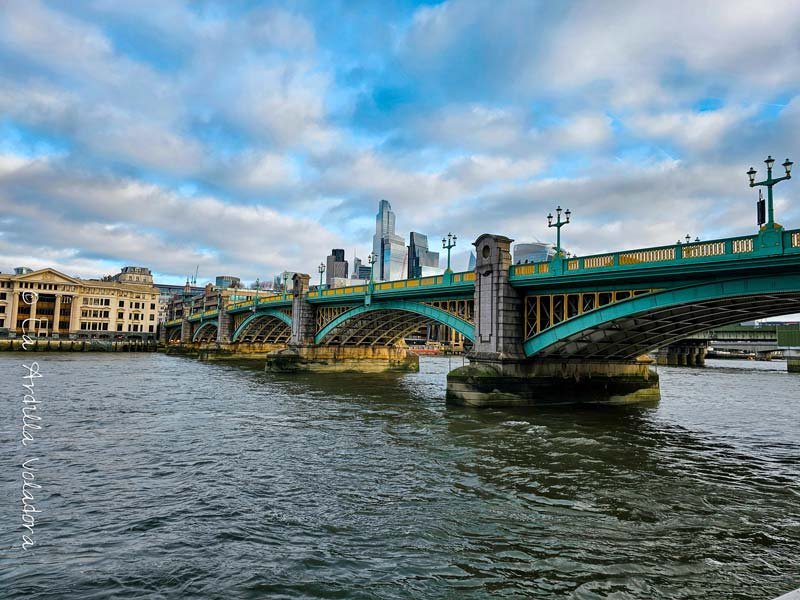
x,y
499,374
186,331
224,324
303,355
162,334
683,354
792,359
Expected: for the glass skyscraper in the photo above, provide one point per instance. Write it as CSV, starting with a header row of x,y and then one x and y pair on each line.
x,y
421,261
389,248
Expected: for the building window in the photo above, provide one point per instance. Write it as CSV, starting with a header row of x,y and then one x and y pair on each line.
x,y
151,329
121,303
119,326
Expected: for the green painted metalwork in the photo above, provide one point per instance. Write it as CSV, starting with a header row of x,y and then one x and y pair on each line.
x,y
768,183
455,283
752,286
204,326
269,300
789,337
704,254
209,314
270,312
460,325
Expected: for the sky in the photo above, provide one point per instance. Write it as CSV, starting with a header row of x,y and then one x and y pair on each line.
x,y
247,138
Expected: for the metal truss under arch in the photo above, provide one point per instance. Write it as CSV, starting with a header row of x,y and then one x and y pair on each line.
x,y
174,335
628,329
205,328
273,325
386,322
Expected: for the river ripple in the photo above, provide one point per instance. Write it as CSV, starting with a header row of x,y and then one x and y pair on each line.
x,y
164,477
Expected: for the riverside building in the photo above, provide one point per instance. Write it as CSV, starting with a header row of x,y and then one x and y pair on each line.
x,y
47,303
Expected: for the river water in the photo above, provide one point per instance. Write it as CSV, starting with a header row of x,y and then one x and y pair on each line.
x,y
166,477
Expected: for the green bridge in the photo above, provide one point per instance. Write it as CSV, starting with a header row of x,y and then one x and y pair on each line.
x,y
572,328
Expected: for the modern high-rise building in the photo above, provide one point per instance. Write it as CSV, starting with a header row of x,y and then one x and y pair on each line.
x,y
389,248
421,261
533,252
228,281
472,259
335,266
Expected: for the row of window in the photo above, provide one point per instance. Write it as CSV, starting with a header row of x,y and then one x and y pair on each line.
x,y
97,301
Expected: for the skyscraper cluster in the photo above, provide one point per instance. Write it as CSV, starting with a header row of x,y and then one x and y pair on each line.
x,y
393,259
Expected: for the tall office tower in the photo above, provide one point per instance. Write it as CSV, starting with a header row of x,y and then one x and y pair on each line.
x,y
472,259
336,266
389,249
421,261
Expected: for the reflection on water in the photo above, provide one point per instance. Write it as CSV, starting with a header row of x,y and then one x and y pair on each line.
x,y
168,477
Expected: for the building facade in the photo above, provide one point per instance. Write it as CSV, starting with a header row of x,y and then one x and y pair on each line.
x,y
389,248
335,267
533,252
48,303
227,281
422,262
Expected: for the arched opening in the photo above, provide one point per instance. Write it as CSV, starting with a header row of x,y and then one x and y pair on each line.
x,y
633,327
271,328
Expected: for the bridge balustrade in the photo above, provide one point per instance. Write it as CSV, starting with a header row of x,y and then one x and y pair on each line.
x,y
713,250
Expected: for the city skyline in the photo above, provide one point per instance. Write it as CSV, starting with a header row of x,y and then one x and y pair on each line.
x,y
124,147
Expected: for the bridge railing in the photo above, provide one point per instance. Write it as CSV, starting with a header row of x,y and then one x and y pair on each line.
x,y
261,301
400,284
693,252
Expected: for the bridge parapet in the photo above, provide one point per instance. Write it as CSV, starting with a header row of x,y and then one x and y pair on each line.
x,y
737,249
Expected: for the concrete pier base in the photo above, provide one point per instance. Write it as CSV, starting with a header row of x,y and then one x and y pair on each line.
x,y
683,354
222,352
531,383
342,359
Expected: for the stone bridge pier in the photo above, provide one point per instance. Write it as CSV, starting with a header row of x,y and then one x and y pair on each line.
x,y
303,354
687,353
499,373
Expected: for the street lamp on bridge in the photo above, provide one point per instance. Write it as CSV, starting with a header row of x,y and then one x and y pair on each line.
x,y
558,225
372,259
321,269
285,278
258,287
768,183
448,244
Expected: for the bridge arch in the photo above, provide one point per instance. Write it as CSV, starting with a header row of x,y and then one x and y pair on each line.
x,y
632,327
386,322
273,325
174,334
207,332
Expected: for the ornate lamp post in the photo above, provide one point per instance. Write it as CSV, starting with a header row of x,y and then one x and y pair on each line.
x,y
285,278
372,259
768,183
321,270
448,244
258,287
558,225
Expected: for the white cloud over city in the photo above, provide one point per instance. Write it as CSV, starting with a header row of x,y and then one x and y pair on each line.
x,y
251,138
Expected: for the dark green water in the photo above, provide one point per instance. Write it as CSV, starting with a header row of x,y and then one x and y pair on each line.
x,y
164,477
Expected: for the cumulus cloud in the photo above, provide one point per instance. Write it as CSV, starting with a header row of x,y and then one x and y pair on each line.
x,y
254,139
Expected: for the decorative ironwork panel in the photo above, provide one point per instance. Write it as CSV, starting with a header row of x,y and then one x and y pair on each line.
x,y
463,309
742,246
545,311
326,314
